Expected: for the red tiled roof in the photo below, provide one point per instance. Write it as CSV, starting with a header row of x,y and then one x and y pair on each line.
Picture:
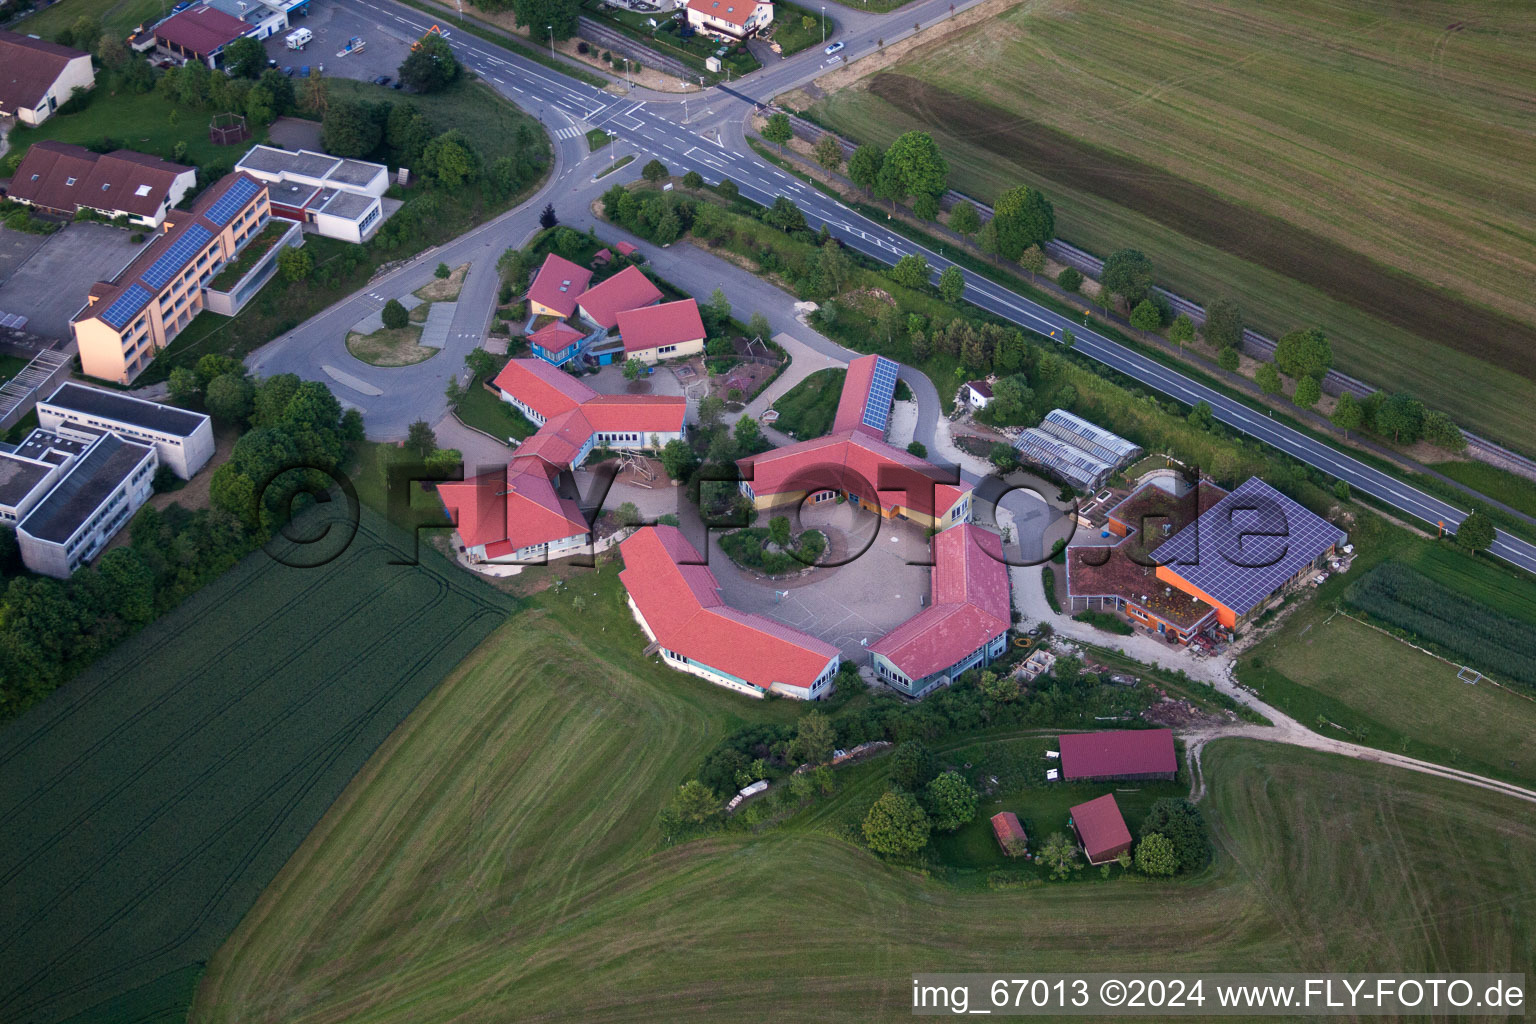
x,y
1005,825
856,462
625,249
560,439
28,69
645,413
1101,827
511,509
104,182
681,604
558,283
628,289
1096,755
981,387
734,11
555,336
855,396
670,323
547,390
201,29
970,605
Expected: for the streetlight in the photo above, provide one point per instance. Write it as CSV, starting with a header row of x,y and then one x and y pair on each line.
x,y
613,150
551,39
824,22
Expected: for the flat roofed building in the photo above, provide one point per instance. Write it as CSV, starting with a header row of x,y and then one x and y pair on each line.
x,y
332,196
95,497
261,18
1116,754
37,76
183,439
127,321
28,470
1101,828
65,179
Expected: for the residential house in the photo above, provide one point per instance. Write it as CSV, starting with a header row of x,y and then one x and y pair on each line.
x,y
65,179
672,330
730,20
37,76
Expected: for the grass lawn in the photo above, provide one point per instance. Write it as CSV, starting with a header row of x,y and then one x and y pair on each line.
x,y
473,107
1340,132
503,842
390,347
485,411
615,165
443,289
119,17
1498,484
807,409
597,139
10,366
165,787
791,33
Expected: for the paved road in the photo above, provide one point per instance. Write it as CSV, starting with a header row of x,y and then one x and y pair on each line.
x,y
712,141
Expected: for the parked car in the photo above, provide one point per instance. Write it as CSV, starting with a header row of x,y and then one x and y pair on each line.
x,y
381,80
288,71
834,47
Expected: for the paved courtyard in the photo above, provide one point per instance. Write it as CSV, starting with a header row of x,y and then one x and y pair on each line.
x,y
388,43
48,284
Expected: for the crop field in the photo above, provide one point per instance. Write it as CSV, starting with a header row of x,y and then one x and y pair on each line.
x,y
1359,166
145,805
498,860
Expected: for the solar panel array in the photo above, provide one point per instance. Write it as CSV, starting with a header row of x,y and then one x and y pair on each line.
x,y
126,306
1067,461
177,256
16,320
229,204
882,390
1092,438
1246,546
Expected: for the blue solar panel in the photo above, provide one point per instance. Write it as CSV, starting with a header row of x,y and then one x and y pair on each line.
x,y
882,389
229,204
134,298
177,256
1246,546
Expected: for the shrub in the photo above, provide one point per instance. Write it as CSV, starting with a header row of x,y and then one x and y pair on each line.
x,y
1070,279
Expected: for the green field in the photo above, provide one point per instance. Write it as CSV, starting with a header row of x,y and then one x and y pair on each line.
x,y
1500,485
807,409
119,17
488,120
150,800
498,860
1358,166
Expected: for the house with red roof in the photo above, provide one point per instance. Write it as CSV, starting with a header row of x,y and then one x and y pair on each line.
x,y
515,515
629,289
64,178
540,391
966,623
869,388
1101,828
1118,755
676,601
730,20
201,33
37,77
1010,834
556,287
671,330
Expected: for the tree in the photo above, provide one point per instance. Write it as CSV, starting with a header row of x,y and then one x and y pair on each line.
x,y
695,802
1155,856
183,384
711,409
111,51
395,315
951,801
693,180
921,170
1223,324
829,152
864,167
431,65
1146,317
1000,689
1021,217
727,189
653,171
779,531
1182,331
1308,392
911,765
1128,274
1476,532
633,368
84,32
814,737
1268,378
918,448
925,207
560,15
349,129
1442,432
778,130
548,217
964,219
1060,855
1070,279
229,397
245,57
833,267
1032,261
450,160
1341,489
1402,416
1003,456
951,284
748,435
678,459
420,439
784,215
1304,353
896,826
911,271
1183,825
295,263
1228,360
758,326
1200,416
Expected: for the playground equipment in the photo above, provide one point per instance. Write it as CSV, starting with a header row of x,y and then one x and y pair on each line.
x,y
354,45
228,129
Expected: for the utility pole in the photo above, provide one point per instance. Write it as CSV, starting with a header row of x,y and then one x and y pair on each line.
x,y
824,23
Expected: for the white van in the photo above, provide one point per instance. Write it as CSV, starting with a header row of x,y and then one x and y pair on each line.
x,y
299,38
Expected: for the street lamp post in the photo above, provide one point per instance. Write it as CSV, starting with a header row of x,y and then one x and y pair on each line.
x,y
824,23
613,150
551,39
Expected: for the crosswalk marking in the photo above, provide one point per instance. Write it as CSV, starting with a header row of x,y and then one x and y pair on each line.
x,y
568,133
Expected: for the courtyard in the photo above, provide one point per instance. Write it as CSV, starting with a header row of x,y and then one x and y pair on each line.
x,y
46,278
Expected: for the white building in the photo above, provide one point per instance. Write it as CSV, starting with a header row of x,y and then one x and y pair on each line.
x,y
331,196
978,394
37,76
731,20
98,492
184,440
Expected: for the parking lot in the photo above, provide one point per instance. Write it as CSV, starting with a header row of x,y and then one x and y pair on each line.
x,y
48,282
386,44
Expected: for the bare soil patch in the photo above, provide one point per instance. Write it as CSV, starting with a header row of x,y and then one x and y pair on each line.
x,y
390,347
444,289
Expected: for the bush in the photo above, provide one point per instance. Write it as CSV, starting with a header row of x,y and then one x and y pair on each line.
x,y
395,315
1070,279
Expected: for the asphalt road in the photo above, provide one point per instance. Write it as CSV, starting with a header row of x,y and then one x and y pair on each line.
x,y
705,133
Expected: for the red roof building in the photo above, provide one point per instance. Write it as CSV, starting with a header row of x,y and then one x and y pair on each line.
x,y
666,331
540,390
1010,834
200,33
556,286
730,19
965,625
866,399
1101,829
628,289
1118,754
624,248
676,600
514,515
64,178
37,76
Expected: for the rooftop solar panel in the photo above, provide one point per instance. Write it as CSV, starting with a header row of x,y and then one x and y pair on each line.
x,y
177,256
126,306
1072,464
229,204
1247,545
882,389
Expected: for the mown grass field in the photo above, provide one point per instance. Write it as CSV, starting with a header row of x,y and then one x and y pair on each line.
x,y
498,860
1357,166
808,409
119,17
145,805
